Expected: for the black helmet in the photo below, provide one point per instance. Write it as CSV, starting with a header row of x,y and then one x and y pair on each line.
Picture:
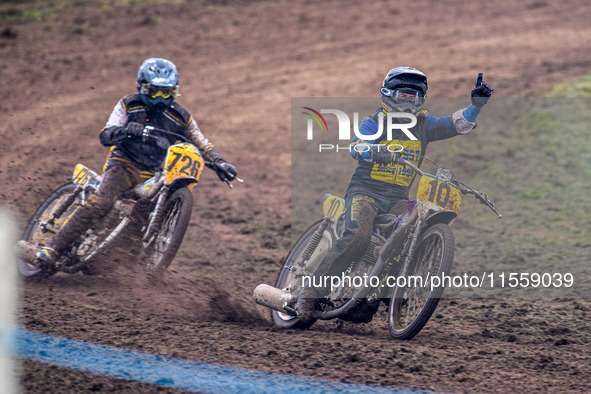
x,y
157,82
404,90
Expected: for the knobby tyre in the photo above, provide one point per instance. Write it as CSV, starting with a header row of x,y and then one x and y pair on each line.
x,y
158,255
411,307
283,320
35,236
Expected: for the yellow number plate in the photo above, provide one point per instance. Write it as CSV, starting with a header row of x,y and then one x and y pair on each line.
x,y
441,194
83,174
333,206
183,161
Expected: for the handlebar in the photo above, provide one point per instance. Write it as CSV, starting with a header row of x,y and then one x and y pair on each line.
x,y
404,162
148,130
221,174
481,196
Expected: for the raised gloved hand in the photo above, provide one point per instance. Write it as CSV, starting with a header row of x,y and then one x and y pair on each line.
x,y
380,154
226,171
134,129
481,92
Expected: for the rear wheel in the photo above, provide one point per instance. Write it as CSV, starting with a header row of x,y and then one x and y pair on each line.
x,y
411,307
158,254
286,278
36,237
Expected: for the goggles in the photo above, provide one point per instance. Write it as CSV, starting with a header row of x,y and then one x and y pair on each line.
x,y
159,91
404,95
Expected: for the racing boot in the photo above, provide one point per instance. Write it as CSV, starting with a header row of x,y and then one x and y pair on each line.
x,y
305,305
304,308
46,257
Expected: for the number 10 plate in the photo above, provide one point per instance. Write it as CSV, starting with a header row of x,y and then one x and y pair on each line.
x,y
441,194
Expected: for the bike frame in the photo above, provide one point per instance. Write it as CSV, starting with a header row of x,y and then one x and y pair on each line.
x,y
182,163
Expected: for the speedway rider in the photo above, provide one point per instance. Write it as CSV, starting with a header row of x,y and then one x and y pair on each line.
x,y
377,185
131,159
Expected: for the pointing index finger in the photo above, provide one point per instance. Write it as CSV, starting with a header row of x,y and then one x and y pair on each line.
x,y
478,80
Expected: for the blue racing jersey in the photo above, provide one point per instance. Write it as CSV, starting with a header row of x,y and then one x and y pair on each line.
x,y
394,180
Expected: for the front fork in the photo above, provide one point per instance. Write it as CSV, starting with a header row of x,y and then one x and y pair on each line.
x,y
413,246
157,216
390,264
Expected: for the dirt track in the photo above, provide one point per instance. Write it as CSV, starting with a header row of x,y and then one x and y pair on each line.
x,y
240,64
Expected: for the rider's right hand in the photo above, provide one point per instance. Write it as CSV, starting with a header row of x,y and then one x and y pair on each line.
x,y
134,129
380,154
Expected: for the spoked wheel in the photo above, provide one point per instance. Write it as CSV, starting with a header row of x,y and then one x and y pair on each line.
x,y
158,252
37,237
286,278
412,306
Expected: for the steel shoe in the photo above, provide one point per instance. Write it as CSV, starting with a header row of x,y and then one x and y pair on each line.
x,y
46,257
305,308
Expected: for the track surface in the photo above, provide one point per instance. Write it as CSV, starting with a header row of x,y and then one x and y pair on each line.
x,y
240,64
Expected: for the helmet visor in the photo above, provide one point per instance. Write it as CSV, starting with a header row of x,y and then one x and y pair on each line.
x,y
158,91
404,95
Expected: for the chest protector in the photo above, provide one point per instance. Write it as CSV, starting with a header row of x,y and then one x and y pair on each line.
x,y
146,154
394,178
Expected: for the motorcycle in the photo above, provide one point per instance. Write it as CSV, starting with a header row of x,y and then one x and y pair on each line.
x,y
417,244
160,208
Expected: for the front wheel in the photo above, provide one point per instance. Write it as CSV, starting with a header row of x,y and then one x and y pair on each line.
x,y
37,237
287,280
159,253
411,307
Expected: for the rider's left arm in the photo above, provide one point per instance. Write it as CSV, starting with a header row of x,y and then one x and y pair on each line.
x,y
197,138
460,122
463,120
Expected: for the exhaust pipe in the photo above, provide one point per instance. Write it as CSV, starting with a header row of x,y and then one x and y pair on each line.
x,y
274,298
281,300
